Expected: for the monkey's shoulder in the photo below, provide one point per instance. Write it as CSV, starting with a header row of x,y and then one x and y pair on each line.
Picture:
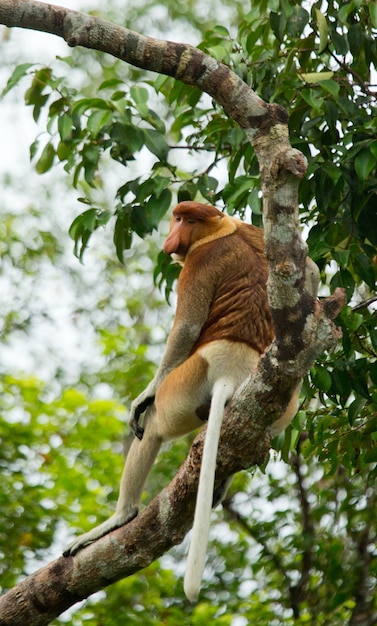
x,y
252,235
244,242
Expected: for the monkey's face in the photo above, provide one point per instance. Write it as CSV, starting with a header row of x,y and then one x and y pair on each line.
x,y
180,237
190,222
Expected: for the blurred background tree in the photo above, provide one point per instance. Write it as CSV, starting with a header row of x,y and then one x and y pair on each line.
x,y
295,541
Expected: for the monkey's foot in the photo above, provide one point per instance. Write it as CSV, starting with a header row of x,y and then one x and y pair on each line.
x,y
115,521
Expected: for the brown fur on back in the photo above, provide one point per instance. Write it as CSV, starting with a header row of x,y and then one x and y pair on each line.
x,y
235,270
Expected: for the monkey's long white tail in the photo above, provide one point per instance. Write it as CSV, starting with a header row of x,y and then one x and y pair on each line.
x,y
223,389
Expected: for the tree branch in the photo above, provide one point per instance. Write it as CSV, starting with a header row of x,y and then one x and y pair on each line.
x,y
363,612
297,592
179,60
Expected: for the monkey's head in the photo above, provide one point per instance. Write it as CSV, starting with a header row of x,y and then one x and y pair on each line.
x,y
191,222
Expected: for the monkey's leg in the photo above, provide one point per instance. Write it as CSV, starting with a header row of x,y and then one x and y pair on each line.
x,y
139,461
183,399
138,464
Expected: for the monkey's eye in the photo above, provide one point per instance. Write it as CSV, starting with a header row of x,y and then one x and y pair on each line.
x,y
177,218
191,221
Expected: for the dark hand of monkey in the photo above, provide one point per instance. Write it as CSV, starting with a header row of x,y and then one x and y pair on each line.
x,y
138,431
134,423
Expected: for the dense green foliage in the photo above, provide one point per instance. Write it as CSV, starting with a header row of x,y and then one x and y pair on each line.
x,y
305,530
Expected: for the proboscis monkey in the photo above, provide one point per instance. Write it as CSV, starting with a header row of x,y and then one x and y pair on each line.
x,y
222,326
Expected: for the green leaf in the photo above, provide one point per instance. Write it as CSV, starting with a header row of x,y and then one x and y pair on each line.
x,y
278,24
35,96
373,13
139,94
371,456
344,12
371,427
110,83
285,442
128,140
139,221
355,38
373,147
187,191
166,270
33,149
255,202
122,234
90,159
340,41
98,120
310,96
19,72
156,143
297,21
373,337
316,77
85,104
157,206
344,279
364,266
355,409
323,31
160,184
355,321
222,31
321,378
84,225
142,106
331,86
46,159
364,163
236,193
342,257
65,125
78,224
207,186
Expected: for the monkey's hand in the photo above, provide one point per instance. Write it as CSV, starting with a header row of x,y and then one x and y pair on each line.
x,y
138,406
115,521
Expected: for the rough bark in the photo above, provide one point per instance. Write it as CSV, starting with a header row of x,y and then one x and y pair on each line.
x,y
303,325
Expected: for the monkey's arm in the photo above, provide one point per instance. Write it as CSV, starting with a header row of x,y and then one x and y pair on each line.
x,y
180,341
195,291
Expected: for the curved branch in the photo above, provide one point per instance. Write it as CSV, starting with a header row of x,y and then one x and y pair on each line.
x,y
178,60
